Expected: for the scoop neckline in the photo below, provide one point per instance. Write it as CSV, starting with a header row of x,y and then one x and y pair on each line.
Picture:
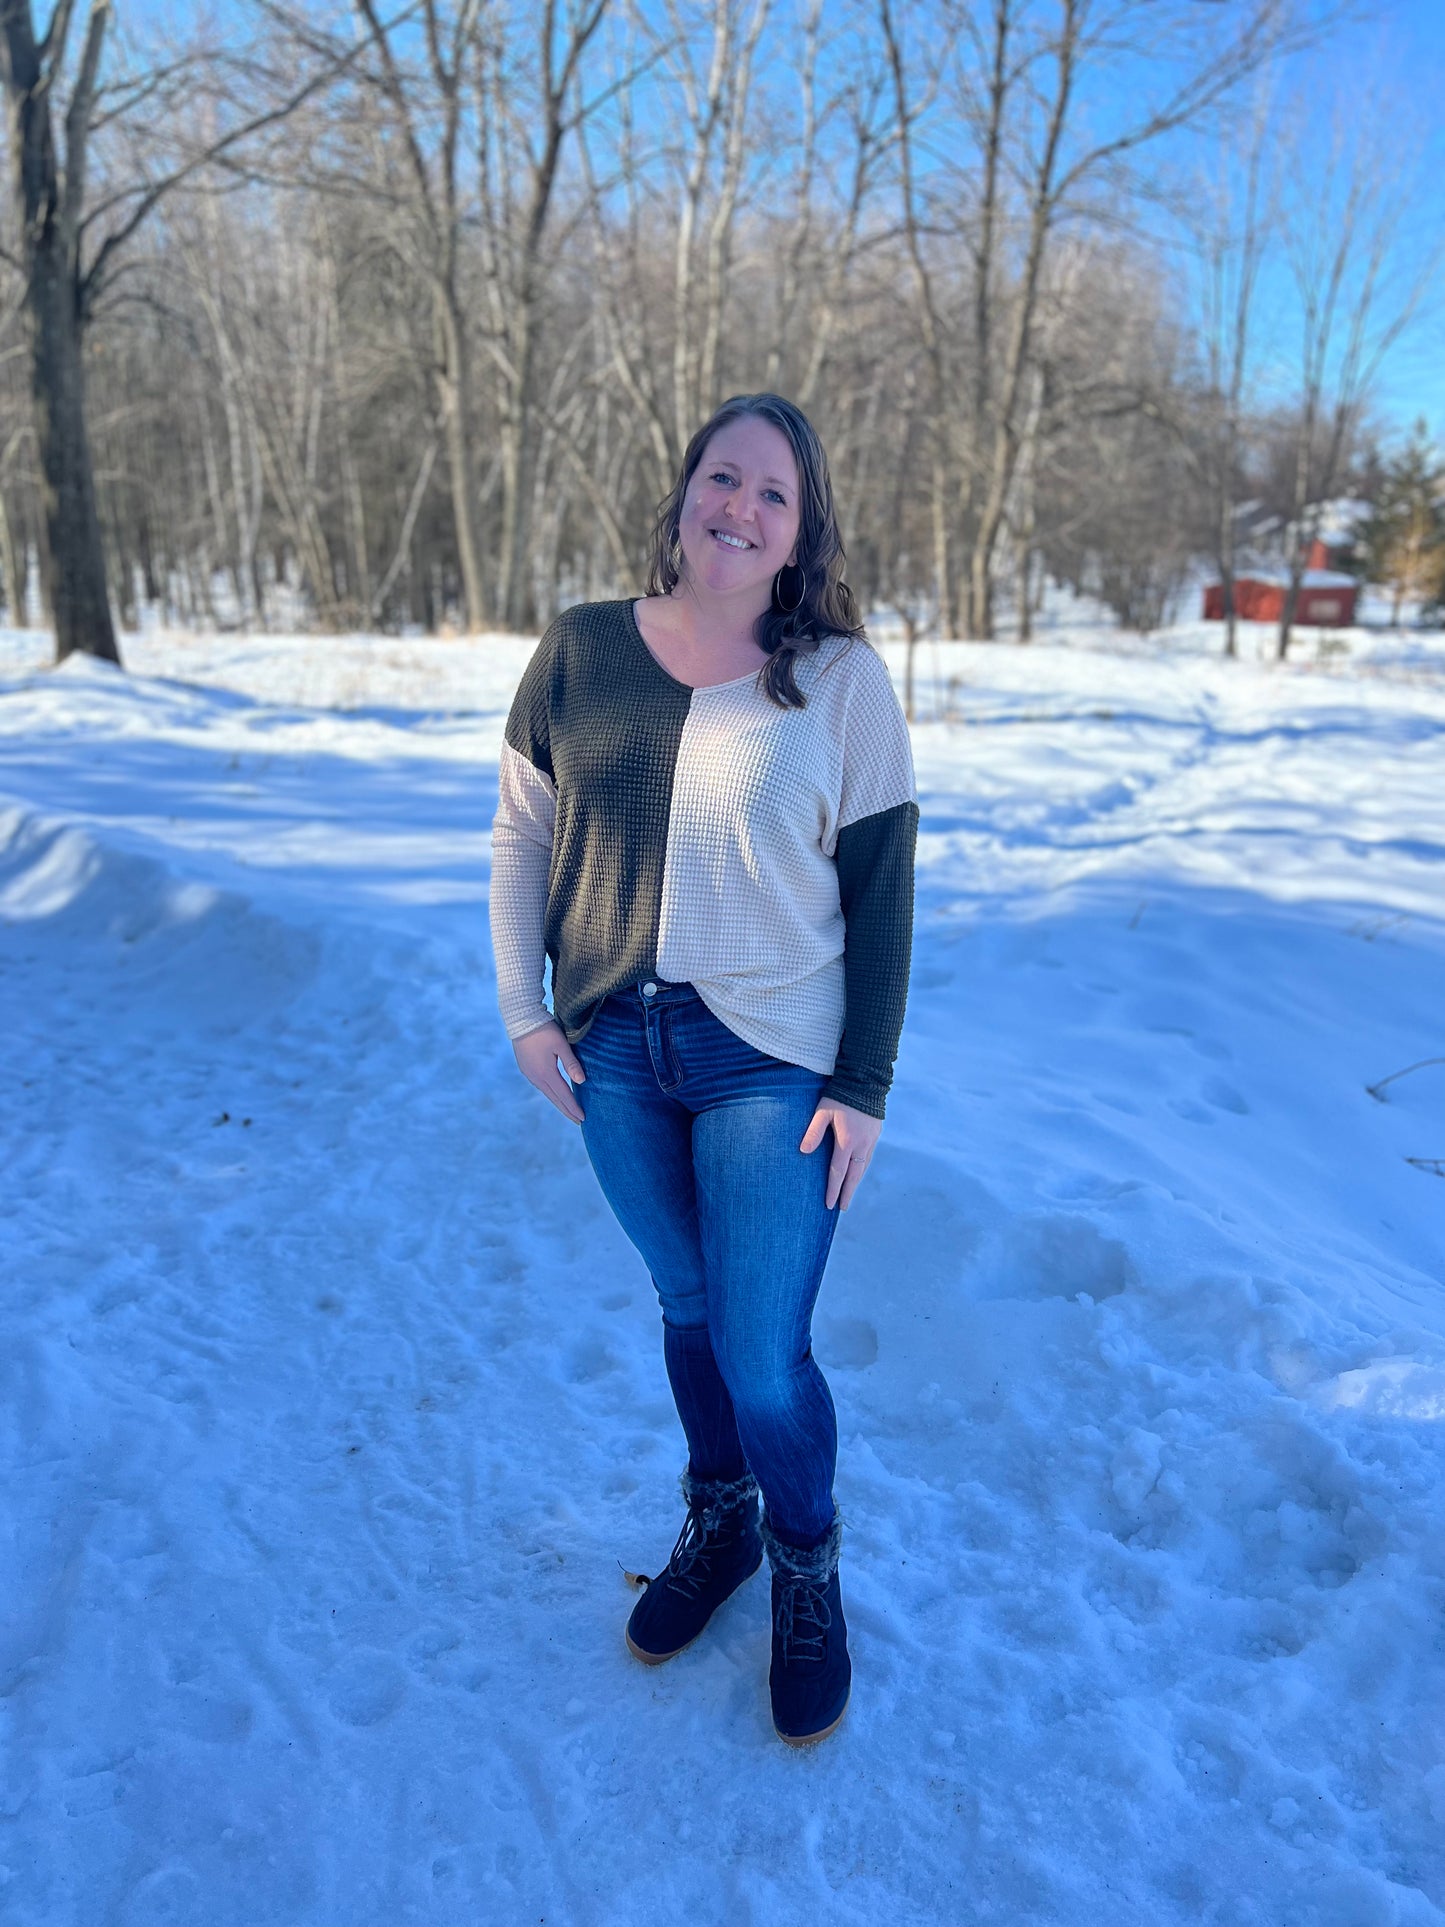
x,y
693,688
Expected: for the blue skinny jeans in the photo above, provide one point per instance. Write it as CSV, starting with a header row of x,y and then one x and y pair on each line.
x,y
694,1138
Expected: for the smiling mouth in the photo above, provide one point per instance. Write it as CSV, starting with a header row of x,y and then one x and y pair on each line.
x,y
731,541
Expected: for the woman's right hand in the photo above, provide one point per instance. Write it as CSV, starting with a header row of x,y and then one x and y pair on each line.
x,y
537,1055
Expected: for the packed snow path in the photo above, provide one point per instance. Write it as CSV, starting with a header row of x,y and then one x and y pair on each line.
x,y
333,1397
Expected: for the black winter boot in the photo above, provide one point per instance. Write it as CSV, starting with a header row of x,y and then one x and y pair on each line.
x,y
717,1549
811,1675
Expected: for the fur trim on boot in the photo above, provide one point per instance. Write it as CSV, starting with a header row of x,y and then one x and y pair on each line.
x,y
717,1495
818,1562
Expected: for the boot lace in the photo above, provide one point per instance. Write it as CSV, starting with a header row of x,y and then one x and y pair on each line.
x,y
803,1619
690,1566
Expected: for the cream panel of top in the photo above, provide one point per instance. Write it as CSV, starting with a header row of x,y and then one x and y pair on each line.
x,y
759,796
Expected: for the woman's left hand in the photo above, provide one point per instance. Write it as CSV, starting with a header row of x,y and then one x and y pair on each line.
x,y
854,1136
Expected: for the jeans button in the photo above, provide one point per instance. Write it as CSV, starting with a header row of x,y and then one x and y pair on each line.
x,y
649,990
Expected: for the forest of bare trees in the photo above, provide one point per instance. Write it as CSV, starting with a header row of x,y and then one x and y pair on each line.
x,y
371,316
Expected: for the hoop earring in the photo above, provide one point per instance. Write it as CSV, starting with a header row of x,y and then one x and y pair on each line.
x,y
789,608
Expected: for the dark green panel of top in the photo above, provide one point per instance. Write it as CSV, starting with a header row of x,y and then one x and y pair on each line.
x,y
604,719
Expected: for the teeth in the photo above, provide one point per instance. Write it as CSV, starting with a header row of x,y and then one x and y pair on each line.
x,y
733,541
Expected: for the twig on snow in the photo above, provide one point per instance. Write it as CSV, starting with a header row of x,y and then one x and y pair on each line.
x,y
1424,1063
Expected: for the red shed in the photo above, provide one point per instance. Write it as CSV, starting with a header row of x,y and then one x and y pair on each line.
x,y
1326,599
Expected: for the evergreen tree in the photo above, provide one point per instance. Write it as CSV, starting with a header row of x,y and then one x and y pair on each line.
x,y
1401,545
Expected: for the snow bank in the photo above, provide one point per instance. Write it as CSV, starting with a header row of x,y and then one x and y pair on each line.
x,y
331,1397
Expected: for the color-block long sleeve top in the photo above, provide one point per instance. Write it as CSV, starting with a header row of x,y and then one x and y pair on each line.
x,y
645,828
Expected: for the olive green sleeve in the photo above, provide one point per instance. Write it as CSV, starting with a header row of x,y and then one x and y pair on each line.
x,y
875,887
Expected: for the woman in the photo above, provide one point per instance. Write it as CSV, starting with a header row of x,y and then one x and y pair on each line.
x,y
707,822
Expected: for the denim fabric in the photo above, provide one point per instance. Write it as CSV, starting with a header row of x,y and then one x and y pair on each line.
x,y
694,1138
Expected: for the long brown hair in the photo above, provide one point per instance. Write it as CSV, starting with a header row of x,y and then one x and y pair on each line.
x,y
828,607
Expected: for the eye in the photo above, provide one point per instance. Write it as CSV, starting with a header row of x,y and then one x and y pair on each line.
x,y
719,475
778,497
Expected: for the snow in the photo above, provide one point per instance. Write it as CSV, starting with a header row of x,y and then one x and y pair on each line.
x,y
1277,577
1336,521
331,1397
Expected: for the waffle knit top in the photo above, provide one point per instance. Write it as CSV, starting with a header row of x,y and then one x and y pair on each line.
x,y
645,828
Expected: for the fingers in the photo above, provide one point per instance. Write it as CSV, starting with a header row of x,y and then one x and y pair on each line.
x,y
848,1162
837,1171
856,1168
538,1055
845,1174
564,1100
556,1092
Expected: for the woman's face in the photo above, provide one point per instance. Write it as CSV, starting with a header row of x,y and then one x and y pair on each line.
x,y
739,521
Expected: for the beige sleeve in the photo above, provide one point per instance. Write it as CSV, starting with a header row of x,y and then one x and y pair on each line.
x,y
877,749
521,864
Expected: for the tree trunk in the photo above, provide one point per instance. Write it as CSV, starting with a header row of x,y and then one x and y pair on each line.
x,y
455,394
518,469
74,556
13,598
1226,572
939,504
47,214
908,671
985,295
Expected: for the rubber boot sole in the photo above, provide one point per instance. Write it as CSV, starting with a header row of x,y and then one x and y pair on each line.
x,y
661,1659
812,1739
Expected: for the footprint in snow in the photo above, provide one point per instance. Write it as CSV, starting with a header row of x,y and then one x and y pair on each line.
x,y
166,1897
1211,1047
590,1361
1191,1110
435,1652
1219,1092
847,1344
1053,1256
207,1716
366,1688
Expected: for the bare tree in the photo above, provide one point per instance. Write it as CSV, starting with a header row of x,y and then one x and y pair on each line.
x,y
69,251
912,97
530,109
1032,92
714,92
1230,242
1120,502
426,103
1344,217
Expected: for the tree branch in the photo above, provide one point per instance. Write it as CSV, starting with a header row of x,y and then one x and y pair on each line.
x,y
91,281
